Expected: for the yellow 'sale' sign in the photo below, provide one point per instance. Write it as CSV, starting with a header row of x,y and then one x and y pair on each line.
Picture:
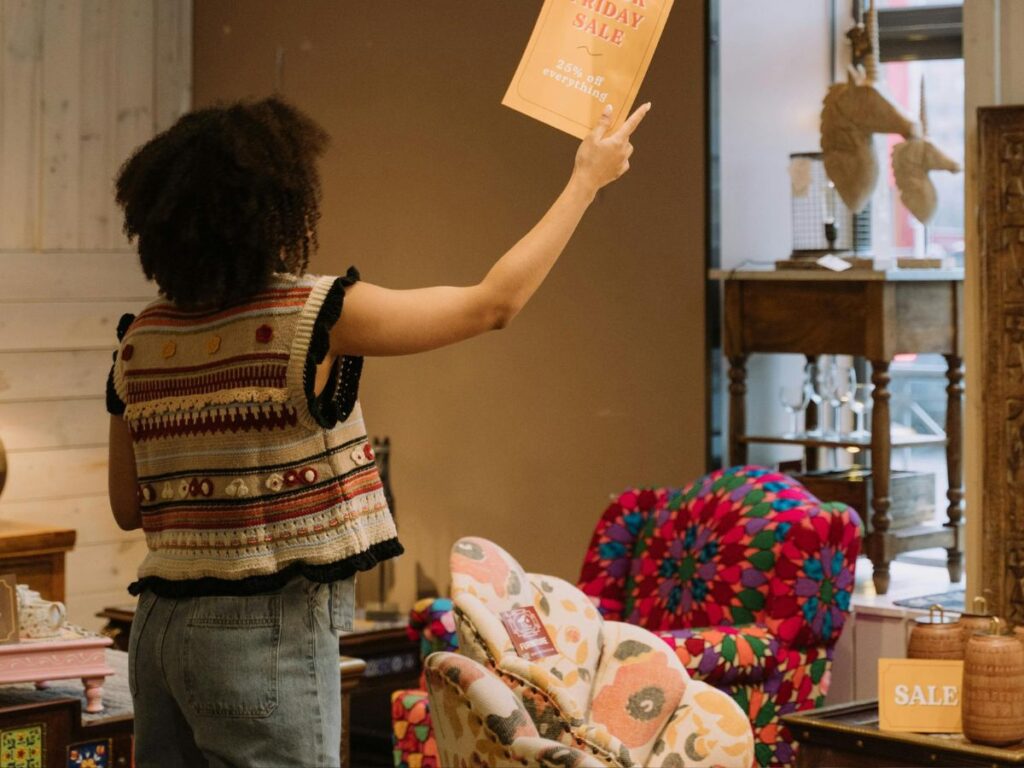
x,y
919,695
584,54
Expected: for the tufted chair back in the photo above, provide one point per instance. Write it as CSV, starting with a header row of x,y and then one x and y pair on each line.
x,y
612,689
746,574
747,546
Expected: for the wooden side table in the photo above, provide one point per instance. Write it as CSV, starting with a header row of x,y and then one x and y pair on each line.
x,y
865,313
35,553
847,736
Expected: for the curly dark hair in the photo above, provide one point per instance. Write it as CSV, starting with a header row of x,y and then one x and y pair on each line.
x,y
224,198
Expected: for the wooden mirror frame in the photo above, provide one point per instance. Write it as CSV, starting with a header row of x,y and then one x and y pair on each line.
x,y
1000,196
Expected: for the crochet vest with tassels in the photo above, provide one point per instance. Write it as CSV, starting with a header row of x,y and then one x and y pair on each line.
x,y
246,475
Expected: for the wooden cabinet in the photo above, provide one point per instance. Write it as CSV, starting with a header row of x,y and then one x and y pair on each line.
x,y
52,730
51,734
865,313
35,553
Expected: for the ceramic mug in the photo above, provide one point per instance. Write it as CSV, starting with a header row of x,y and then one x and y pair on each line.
x,y
38,618
27,595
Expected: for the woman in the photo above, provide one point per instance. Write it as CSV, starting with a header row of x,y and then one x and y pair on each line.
x,y
236,438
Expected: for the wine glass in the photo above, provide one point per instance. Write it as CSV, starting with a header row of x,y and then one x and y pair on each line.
x,y
847,388
861,406
836,384
794,399
813,396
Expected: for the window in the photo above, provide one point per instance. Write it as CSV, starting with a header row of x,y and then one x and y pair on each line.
x,y
923,41
897,232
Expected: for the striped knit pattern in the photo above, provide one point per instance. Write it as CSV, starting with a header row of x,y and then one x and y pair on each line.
x,y
238,476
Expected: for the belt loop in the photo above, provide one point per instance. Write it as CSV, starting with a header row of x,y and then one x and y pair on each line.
x,y
343,605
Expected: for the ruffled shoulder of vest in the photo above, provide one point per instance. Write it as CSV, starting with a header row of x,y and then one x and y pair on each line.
x,y
238,359
310,347
115,396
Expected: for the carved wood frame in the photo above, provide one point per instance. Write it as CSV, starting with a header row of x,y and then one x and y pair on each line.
x,y
1001,258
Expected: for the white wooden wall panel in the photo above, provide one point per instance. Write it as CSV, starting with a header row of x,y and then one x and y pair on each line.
x,y
61,325
66,473
73,275
20,62
89,515
54,424
49,376
173,77
97,219
61,118
134,66
82,84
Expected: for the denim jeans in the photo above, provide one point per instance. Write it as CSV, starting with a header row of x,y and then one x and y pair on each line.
x,y
240,681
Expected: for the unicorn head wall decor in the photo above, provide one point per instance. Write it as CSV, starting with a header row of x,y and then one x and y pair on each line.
x,y
911,162
853,112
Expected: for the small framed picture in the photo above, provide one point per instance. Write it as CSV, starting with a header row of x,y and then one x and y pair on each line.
x,y
8,608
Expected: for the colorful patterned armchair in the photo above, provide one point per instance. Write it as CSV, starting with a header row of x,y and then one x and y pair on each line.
x,y
610,689
746,574
479,722
432,623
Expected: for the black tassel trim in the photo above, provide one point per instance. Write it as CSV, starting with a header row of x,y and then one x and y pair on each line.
x,y
116,406
254,585
122,325
339,397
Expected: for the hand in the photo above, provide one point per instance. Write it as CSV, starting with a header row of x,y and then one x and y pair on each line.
x,y
604,157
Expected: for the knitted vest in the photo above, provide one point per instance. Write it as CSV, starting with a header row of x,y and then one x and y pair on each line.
x,y
246,476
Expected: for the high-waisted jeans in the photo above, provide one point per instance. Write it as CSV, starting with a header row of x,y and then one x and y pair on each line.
x,y
240,681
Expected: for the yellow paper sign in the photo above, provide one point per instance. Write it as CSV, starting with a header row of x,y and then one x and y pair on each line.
x,y
920,695
584,54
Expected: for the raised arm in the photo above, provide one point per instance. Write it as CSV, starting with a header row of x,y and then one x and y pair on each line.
x,y
380,321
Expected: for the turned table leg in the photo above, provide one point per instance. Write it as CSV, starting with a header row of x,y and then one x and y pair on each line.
x,y
93,693
737,409
954,461
881,457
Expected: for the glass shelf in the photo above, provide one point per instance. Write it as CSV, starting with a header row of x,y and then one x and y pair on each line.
x,y
844,441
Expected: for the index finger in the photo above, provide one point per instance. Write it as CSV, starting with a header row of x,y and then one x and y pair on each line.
x,y
631,122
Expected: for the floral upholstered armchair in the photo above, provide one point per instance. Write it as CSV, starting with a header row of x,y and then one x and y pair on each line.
x,y
746,574
479,722
432,623
612,690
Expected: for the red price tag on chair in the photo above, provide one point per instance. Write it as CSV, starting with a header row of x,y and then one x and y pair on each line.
x,y
528,633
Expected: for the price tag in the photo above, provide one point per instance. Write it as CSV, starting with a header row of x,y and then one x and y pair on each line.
x,y
529,635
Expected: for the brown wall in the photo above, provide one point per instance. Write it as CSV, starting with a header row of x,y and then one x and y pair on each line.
x,y
520,435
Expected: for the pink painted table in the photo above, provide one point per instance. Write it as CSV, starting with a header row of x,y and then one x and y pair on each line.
x,y
73,654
